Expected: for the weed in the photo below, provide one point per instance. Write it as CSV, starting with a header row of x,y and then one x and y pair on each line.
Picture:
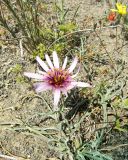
x,y
82,120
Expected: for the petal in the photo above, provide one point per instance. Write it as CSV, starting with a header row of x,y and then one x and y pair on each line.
x,y
65,63
42,86
73,65
119,6
56,98
49,61
33,75
42,64
114,10
70,86
55,60
81,84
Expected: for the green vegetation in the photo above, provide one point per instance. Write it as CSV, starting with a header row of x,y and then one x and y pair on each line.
x,y
78,130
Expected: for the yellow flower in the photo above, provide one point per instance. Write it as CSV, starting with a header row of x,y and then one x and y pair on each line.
x,y
121,9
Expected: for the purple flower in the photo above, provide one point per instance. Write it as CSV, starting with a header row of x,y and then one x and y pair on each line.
x,y
55,78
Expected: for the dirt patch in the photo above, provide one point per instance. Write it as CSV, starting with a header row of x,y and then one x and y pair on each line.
x,y
19,103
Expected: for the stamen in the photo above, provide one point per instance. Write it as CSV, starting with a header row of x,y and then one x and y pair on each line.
x,y
58,77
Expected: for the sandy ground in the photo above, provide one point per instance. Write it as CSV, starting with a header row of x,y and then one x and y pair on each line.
x,y
18,103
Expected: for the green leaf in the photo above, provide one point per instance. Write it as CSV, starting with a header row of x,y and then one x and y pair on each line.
x,y
59,47
118,126
39,51
125,103
68,27
80,156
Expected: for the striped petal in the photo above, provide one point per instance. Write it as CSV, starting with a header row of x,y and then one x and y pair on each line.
x,y
33,75
56,98
42,86
55,60
42,64
73,65
65,63
49,61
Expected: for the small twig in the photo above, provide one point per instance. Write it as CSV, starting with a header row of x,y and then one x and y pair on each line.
x,y
2,110
12,39
36,96
113,148
7,157
9,124
41,97
116,38
21,48
1,145
84,30
112,63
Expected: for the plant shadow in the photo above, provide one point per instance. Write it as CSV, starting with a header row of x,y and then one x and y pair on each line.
x,y
76,103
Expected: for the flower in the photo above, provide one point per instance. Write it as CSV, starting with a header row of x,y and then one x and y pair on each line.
x,y
55,78
121,9
112,16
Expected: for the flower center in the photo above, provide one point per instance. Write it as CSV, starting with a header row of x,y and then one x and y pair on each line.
x,y
58,77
